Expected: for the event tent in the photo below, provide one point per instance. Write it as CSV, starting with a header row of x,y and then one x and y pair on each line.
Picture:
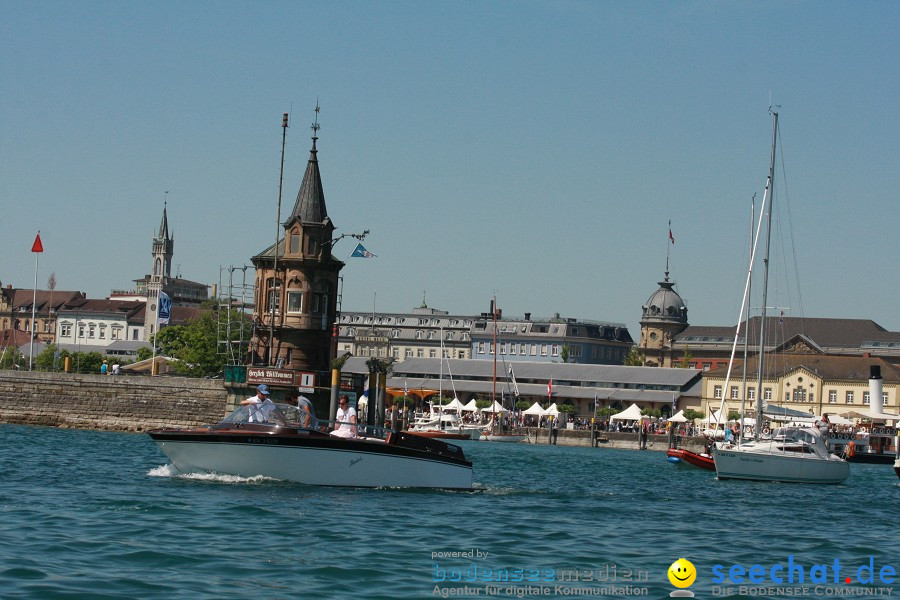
x,y
632,413
678,417
455,404
552,410
495,408
534,409
470,406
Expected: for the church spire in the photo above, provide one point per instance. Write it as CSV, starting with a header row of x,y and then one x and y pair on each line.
x,y
164,224
310,204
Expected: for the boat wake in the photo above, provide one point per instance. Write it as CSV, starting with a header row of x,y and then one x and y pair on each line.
x,y
171,471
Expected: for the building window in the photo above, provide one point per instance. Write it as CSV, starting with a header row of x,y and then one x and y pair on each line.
x,y
707,366
767,394
832,396
734,392
65,330
295,243
294,301
420,353
490,347
799,394
116,332
554,349
91,329
867,399
274,299
522,349
512,348
102,331
480,347
408,353
543,349
432,353
449,335
717,391
849,397
751,393
431,334
395,352
534,349
418,334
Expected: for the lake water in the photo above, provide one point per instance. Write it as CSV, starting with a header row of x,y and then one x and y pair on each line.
x,y
87,514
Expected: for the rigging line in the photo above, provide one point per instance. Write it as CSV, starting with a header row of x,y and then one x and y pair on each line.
x,y
793,238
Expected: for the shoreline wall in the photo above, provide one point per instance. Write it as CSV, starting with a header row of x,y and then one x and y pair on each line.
x,y
108,402
613,439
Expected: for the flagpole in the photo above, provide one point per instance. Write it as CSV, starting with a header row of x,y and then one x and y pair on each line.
x,y
37,256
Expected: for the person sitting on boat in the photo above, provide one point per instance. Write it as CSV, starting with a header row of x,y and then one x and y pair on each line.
x,y
729,435
345,420
823,424
259,405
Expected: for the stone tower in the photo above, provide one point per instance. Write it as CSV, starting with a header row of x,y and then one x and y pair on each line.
x,y
664,316
297,284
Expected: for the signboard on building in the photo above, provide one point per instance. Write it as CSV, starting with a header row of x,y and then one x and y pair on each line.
x,y
280,377
307,382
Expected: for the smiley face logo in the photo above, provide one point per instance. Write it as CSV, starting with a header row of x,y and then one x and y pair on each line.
x,y
682,573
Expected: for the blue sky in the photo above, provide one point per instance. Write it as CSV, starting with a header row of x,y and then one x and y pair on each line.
x,y
531,149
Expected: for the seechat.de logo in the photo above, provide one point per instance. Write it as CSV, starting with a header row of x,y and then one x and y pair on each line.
x,y
682,574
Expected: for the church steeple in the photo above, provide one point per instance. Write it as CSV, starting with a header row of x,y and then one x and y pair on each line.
x,y
163,249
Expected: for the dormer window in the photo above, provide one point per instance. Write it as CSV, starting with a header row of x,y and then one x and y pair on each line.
x,y
295,243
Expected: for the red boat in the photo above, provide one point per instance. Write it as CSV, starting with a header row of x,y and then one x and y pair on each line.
x,y
704,461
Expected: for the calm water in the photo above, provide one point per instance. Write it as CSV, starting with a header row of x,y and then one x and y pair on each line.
x,y
98,515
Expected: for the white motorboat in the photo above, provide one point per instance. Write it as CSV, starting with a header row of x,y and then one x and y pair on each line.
x,y
446,426
281,449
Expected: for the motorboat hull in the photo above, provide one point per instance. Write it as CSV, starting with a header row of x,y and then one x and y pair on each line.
x,y
786,467
444,435
313,458
692,458
496,437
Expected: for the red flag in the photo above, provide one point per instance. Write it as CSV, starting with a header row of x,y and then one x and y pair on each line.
x,y
550,388
670,236
37,246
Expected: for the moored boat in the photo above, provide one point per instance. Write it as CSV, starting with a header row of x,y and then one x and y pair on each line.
x,y
281,449
704,461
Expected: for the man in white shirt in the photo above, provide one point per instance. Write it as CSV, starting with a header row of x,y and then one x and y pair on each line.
x,y
345,420
259,405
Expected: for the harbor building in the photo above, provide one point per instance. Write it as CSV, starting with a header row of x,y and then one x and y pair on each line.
x,y
663,317
557,339
581,385
295,304
419,333
16,306
811,383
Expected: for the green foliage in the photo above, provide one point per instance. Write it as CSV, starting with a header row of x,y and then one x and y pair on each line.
x,y
685,362
339,361
605,412
194,346
569,409
564,353
734,415
652,412
10,356
48,360
521,404
690,414
479,404
85,362
404,401
634,358
144,353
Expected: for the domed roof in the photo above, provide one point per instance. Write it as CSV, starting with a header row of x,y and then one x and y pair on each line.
x,y
665,305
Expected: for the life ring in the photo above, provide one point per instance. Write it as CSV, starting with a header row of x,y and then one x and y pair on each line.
x,y
765,430
858,436
851,450
863,430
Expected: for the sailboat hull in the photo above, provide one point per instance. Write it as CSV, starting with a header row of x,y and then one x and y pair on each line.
x,y
786,467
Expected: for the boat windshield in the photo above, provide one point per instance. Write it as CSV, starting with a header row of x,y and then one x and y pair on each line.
x,y
282,414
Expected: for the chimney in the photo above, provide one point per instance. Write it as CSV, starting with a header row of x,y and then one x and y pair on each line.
x,y
527,316
876,404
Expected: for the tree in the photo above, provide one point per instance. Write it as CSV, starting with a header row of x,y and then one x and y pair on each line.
x,y
634,358
522,405
733,415
685,362
566,408
194,345
690,414
564,353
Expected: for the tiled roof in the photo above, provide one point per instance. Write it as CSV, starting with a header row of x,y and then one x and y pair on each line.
x,y
829,367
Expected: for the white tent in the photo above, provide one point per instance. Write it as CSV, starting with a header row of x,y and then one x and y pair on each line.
x,y
552,410
876,416
455,404
839,420
534,409
495,408
677,417
632,413
470,407
720,417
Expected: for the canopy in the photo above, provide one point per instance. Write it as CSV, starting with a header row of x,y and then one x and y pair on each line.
x,y
632,413
720,416
677,417
455,404
875,416
470,407
534,409
552,410
839,420
495,408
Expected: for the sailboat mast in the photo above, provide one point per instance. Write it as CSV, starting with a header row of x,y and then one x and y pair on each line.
x,y
494,388
770,188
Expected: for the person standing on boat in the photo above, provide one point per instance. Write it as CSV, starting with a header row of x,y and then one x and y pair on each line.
x,y
259,405
307,413
345,420
823,424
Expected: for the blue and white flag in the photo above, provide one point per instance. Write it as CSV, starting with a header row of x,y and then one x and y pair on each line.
x,y
165,308
361,252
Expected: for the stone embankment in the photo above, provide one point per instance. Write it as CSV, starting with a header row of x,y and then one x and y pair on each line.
x,y
613,439
120,403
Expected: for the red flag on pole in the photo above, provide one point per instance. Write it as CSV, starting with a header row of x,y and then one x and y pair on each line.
x,y
670,236
37,246
550,389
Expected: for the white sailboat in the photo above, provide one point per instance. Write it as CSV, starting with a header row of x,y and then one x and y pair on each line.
x,y
792,454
